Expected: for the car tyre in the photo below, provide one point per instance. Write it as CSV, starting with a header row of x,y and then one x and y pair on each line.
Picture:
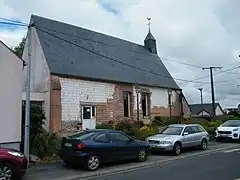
x,y
204,144
218,139
92,163
9,172
142,155
177,148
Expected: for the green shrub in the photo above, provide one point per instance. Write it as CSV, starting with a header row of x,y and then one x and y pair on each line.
x,y
127,127
167,120
45,145
214,124
42,143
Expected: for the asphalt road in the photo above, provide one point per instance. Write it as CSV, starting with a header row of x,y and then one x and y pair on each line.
x,y
223,165
181,164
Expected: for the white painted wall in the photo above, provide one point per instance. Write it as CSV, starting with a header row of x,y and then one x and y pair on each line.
x,y
159,97
218,111
11,80
40,74
75,91
205,113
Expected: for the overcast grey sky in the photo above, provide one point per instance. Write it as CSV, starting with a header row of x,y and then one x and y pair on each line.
x,y
203,33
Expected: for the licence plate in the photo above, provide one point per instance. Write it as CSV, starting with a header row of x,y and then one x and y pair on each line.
x,y
68,144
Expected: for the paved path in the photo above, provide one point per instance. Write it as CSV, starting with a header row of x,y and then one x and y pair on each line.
x,y
60,172
223,165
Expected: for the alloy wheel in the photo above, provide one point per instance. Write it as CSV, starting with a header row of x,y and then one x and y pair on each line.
x,y
93,163
177,149
204,144
5,173
142,155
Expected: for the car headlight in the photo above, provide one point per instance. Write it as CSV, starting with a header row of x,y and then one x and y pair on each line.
x,y
165,142
16,154
236,129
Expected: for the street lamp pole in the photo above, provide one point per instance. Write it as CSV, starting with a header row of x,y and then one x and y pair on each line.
x,y
170,102
201,89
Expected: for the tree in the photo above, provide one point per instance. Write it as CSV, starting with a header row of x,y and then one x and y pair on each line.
x,y
19,48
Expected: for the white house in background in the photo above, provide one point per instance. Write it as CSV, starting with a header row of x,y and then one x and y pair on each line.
x,y
197,110
11,80
88,77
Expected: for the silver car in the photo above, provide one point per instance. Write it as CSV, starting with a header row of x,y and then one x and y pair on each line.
x,y
177,136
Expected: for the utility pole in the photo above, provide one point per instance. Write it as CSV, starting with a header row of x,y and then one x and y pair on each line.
x,y
201,89
28,91
212,87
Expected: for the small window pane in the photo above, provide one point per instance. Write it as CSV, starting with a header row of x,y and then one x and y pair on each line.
x,y
126,104
201,129
102,138
118,137
194,129
93,111
188,130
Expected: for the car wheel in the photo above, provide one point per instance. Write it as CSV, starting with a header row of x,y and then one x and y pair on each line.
x,y
92,163
177,148
7,172
142,155
218,139
204,144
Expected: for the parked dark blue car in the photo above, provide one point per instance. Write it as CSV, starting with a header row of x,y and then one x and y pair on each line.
x,y
92,147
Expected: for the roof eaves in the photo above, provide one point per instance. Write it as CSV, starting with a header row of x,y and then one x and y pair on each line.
x,y
104,80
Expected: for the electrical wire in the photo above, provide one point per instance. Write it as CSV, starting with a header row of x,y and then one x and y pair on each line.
x,y
112,59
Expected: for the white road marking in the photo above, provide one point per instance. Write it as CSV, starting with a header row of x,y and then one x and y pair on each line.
x,y
232,150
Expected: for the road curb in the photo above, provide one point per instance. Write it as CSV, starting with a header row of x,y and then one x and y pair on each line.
x,y
147,164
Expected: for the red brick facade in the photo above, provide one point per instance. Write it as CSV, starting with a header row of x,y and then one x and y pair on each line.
x,y
112,110
55,105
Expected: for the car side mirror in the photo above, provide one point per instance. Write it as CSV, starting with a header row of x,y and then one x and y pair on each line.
x,y
185,133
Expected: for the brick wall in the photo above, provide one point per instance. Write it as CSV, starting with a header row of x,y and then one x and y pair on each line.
x,y
159,102
55,105
68,95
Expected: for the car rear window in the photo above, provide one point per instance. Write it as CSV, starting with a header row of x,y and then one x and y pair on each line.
x,y
82,136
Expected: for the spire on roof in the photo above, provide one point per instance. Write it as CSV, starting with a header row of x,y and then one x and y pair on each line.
x,y
150,41
149,24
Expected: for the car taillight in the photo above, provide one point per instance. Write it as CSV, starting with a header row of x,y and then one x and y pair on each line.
x,y
81,146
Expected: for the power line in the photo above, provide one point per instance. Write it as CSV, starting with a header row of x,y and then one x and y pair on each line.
x,y
87,39
183,63
12,21
214,74
185,81
111,59
13,24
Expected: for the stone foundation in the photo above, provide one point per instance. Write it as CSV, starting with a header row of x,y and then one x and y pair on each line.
x,y
71,126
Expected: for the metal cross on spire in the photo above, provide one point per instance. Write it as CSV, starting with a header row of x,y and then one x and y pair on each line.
x,y
149,23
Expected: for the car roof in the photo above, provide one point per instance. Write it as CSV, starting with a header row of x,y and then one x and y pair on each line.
x,y
101,130
182,125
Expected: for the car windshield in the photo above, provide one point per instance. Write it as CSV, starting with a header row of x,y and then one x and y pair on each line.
x,y
232,123
172,131
82,135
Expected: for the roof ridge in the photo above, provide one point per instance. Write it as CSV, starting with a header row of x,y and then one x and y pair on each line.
x,y
93,31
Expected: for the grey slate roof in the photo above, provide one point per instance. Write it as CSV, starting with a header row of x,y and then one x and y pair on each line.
x,y
197,108
64,58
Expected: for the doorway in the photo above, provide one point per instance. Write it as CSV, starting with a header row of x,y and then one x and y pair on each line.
x,y
88,117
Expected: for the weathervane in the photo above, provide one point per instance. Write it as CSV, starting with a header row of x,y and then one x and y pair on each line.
x,y
149,23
